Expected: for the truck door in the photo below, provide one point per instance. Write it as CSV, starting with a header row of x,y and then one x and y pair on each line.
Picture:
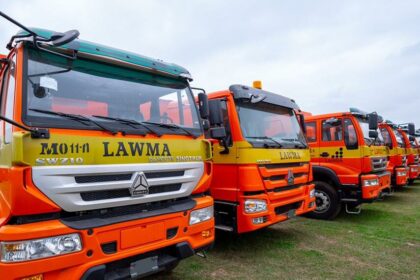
x,y
312,138
224,182
339,149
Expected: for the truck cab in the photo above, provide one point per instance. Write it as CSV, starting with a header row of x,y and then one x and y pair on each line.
x,y
413,158
397,163
349,161
262,173
96,180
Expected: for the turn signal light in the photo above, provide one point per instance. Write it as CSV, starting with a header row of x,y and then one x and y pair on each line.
x,y
34,277
205,233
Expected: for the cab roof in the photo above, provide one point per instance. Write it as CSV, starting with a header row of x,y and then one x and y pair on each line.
x,y
247,93
328,115
90,48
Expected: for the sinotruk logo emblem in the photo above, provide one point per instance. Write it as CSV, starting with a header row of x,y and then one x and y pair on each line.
x,y
140,185
290,177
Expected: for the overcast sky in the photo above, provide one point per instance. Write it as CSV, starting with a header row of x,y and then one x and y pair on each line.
x,y
327,55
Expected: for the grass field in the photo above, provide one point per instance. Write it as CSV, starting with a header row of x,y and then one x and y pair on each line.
x,y
383,242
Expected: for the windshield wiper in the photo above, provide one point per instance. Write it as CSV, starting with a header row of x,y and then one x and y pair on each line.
x,y
303,145
266,137
131,123
172,125
79,118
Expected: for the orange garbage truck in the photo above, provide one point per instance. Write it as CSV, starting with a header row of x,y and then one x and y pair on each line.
x,y
262,171
349,160
408,133
96,180
397,157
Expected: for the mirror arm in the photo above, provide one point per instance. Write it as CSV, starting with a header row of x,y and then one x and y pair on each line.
x,y
225,147
36,133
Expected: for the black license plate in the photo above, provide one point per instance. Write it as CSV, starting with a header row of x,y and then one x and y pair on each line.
x,y
144,267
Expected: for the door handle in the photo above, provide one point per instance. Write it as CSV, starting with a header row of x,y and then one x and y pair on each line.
x,y
325,154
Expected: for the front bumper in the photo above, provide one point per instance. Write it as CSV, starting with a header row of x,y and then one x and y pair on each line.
x,y
373,192
414,171
280,207
127,239
401,180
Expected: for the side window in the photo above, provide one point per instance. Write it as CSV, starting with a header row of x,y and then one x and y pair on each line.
x,y
226,123
350,135
386,136
311,131
332,132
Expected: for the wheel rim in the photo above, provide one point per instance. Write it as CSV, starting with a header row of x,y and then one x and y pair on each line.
x,y
322,201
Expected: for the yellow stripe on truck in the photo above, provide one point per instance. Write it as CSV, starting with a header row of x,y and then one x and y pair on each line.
x,y
77,150
244,153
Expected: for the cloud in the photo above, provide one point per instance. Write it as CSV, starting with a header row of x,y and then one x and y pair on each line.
x,y
327,55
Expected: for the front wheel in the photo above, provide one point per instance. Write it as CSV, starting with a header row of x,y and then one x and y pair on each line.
x,y
327,202
410,181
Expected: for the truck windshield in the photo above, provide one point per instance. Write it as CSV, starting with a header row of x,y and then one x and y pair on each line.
x,y
111,95
267,125
400,139
364,124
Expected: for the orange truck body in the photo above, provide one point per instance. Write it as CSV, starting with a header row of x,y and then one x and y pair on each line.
x,y
412,157
135,228
397,163
279,176
346,169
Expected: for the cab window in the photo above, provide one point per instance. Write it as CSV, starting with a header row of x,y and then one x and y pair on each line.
x,y
311,131
350,135
332,132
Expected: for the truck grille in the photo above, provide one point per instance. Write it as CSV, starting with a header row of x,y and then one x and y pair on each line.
x,y
98,195
404,160
126,176
90,187
379,163
280,177
416,159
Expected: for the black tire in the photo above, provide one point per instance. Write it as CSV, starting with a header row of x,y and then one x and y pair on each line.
x,y
410,182
328,196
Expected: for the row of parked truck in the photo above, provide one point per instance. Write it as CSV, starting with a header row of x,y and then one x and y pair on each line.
x,y
111,167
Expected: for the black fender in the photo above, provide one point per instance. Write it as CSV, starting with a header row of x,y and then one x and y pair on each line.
x,y
326,172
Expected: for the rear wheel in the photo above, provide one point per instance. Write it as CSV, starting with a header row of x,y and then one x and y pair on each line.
x,y
327,202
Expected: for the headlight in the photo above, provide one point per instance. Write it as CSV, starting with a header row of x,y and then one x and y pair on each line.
x,y
255,205
17,251
312,193
371,183
414,169
401,173
201,215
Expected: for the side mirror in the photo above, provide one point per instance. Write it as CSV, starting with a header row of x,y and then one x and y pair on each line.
x,y
218,133
411,129
373,134
333,122
373,121
203,105
215,112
